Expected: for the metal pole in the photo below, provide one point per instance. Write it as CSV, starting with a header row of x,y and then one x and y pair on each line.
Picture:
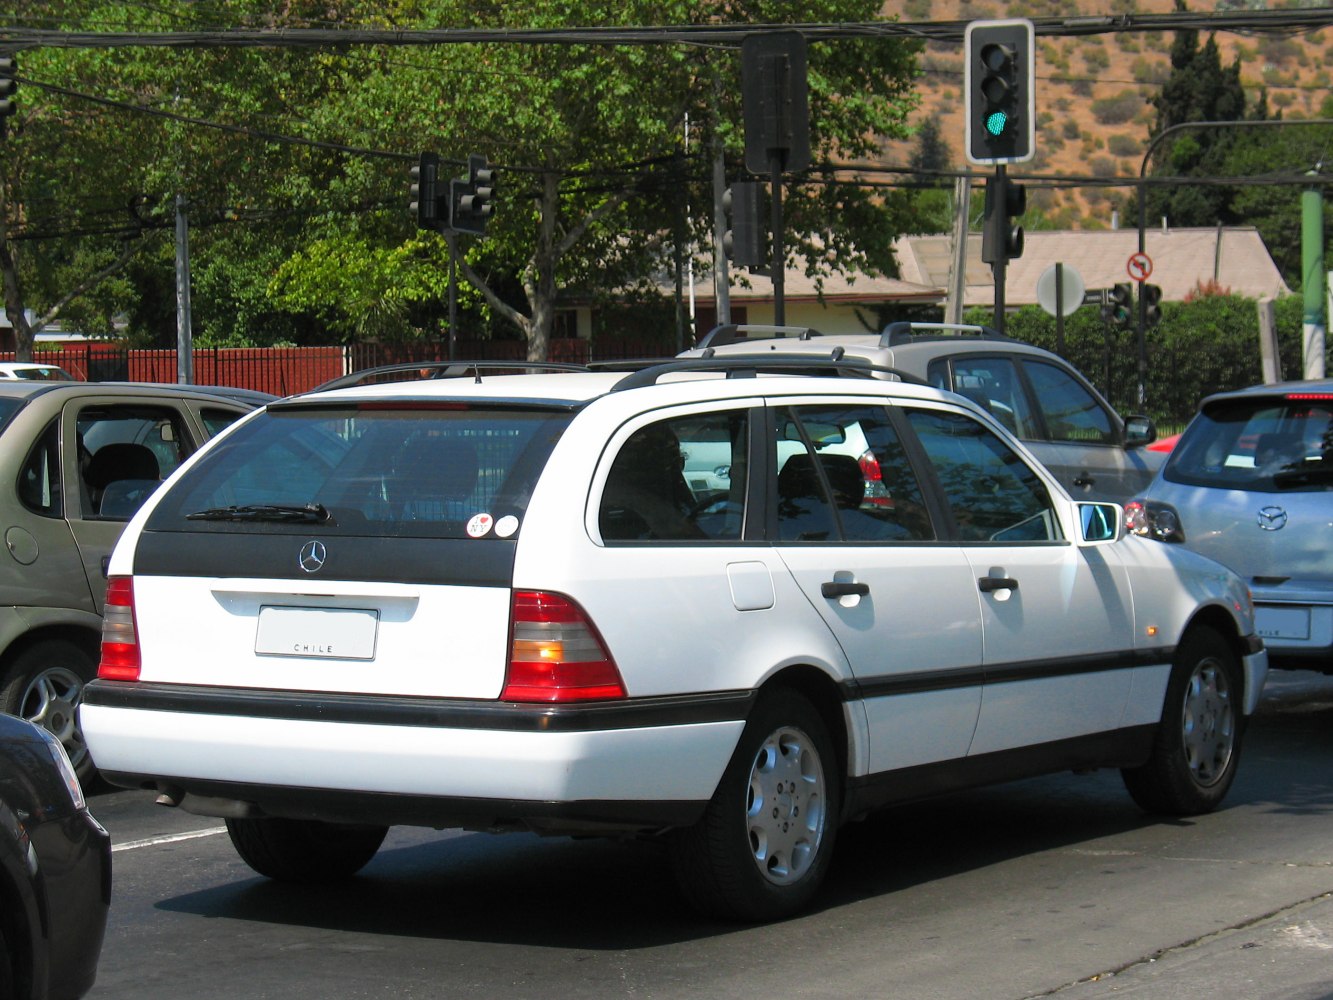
x,y
1059,308
184,336
721,269
451,241
1312,282
962,208
778,264
997,268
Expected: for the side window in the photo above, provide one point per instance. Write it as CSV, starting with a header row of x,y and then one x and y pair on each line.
x,y
124,453
682,479
39,478
216,419
993,494
843,474
1071,412
994,385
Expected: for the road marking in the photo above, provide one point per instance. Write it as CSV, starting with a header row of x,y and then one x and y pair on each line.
x,y
174,838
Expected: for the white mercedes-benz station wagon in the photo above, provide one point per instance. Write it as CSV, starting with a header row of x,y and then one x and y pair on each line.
x,y
495,600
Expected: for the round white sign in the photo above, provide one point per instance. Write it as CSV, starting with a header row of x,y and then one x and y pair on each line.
x,y
1071,290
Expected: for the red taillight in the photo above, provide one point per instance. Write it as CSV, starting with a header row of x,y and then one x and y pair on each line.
x,y
876,493
555,653
120,639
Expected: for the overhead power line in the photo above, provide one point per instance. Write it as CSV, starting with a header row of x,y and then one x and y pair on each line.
x,y
1284,21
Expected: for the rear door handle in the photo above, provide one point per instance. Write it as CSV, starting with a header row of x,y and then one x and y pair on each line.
x,y
836,589
990,583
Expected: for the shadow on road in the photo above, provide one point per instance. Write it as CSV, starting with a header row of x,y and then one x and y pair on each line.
x,y
608,895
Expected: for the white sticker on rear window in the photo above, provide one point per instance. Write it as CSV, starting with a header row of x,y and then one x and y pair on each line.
x,y
506,526
479,525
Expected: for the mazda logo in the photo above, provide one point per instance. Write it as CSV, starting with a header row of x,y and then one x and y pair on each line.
x,y
1272,518
312,556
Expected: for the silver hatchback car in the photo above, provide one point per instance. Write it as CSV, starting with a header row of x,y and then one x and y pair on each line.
x,y
1250,484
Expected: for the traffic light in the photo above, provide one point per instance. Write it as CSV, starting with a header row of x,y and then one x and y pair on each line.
x,y
998,76
1152,311
1001,236
471,201
8,87
1119,308
743,241
425,191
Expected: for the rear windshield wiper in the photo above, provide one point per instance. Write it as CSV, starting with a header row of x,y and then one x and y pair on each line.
x,y
263,512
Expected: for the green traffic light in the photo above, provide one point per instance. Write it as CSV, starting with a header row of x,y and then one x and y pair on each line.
x,y
996,123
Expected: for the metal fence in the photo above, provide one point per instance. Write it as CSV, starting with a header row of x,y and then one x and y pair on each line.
x,y
287,370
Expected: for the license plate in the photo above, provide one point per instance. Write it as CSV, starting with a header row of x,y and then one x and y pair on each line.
x,y
326,633
1282,623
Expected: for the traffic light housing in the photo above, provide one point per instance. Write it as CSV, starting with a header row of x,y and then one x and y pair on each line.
x,y
1152,310
472,200
9,86
425,202
743,241
1000,105
1001,236
1119,308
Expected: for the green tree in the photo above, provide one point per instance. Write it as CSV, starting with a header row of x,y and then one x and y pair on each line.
x,y
1199,89
295,237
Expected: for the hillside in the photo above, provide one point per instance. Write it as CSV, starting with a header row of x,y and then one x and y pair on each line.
x,y
1094,94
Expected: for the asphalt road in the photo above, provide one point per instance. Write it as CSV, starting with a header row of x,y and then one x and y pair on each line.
x,y
1050,887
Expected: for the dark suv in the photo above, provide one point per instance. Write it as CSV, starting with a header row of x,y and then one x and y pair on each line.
x,y
76,460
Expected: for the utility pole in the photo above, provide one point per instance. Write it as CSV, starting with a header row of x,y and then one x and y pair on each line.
x,y
184,333
962,209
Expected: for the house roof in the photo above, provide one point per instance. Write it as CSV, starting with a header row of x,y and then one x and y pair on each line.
x,y
1234,257
798,287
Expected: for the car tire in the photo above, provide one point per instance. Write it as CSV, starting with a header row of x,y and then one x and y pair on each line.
x,y
1196,748
44,685
305,851
762,848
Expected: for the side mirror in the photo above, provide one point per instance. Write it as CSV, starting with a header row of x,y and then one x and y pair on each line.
x,y
1101,522
1139,431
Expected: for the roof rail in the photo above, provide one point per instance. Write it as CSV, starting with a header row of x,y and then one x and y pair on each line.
x,y
415,371
906,332
731,333
751,365
625,364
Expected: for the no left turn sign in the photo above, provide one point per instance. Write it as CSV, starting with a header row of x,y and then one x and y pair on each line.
x,y
1139,266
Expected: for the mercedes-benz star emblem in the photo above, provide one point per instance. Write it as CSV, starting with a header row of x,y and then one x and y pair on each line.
x,y
1272,518
312,556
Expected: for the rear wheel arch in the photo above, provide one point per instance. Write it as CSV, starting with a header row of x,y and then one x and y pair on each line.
x,y
87,639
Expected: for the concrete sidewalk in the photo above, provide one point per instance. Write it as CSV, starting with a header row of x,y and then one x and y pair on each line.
x,y
1287,956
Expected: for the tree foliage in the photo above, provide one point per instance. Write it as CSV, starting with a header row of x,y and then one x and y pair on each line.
x,y
1199,89
294,162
